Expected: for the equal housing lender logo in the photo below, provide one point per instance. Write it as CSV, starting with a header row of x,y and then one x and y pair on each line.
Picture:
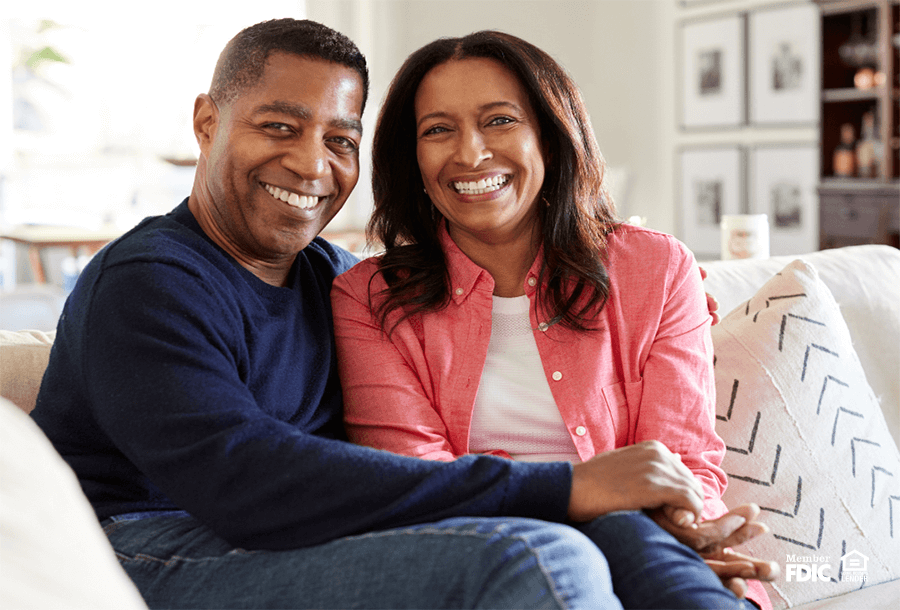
x,y
818,568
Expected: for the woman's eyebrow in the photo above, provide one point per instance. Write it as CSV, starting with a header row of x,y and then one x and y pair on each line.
x,y
482,108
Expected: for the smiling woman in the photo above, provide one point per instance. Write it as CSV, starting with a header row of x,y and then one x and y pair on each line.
x,y
512,314
480,153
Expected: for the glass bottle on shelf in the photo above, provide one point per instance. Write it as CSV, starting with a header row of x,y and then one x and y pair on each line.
x,y
868,148
844,159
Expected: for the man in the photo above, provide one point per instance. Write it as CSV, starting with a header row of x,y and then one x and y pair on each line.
x,y
193,389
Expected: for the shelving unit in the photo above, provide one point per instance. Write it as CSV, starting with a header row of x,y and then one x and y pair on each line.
x,y
860,60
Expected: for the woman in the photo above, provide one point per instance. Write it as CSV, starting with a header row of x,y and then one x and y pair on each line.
x,y
512,314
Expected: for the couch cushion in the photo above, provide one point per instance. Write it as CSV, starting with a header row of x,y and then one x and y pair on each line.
x,y
23,358
806,439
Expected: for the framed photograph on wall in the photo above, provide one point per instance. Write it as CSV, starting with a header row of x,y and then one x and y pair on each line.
x,y
712,73
782,184
711,186
784,65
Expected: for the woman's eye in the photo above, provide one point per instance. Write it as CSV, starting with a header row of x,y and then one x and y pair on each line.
x,y
434,130
500,120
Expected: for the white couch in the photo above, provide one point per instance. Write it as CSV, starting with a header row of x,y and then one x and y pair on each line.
x,y
865,282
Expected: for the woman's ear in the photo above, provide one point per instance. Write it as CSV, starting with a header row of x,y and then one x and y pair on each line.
x,y
206,121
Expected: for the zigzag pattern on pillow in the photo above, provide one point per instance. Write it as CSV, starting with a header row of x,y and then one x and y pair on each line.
x,y
806,438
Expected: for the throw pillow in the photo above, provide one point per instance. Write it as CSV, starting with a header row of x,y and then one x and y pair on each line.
x,y
806,441
54,553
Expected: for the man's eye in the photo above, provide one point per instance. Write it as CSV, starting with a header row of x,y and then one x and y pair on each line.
x,y
277,126
345,143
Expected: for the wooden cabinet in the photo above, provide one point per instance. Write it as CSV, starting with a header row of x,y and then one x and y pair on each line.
x,y
860,86
850,215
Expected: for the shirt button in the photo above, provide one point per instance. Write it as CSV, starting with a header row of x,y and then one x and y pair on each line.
x,y
580,430
557,376
543,326
532,281
459,291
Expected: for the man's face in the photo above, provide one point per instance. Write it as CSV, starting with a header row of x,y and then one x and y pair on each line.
x,y
281,159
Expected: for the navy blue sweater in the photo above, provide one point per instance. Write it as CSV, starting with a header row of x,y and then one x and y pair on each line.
x,y
180,381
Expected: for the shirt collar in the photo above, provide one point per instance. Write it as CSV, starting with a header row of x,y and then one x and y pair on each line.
x,y
465,276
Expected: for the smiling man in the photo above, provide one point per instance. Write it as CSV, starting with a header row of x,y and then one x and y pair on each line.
x,y
193,388
278,160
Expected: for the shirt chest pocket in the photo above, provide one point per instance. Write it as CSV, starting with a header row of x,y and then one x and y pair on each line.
x,y
623,401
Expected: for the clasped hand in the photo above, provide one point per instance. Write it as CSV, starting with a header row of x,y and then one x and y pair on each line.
x,y
647,476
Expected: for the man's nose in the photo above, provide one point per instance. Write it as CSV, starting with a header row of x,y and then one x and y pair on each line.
x,y
308,159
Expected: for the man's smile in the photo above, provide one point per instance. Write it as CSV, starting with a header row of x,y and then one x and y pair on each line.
x,y
304,202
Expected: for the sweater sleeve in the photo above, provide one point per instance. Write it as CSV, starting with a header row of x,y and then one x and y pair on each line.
x,y
678,398
167,388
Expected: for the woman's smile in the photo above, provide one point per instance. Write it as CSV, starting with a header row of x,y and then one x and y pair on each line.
x,y
484,185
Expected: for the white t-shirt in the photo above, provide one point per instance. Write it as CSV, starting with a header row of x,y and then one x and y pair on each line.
x,y
514,408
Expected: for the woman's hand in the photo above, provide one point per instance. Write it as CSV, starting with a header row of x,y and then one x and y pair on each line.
x,y
644,475
734,569
731,529
712,539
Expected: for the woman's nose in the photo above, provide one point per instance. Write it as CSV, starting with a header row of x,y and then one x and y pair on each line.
x,y
472,149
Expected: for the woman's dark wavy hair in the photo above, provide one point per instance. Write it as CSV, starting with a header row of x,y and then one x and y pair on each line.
x,y
574,225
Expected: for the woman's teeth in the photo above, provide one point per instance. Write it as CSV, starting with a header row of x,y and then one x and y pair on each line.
x,y
480,187
304,202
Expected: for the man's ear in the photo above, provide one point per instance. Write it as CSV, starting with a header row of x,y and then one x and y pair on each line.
x,y
206,121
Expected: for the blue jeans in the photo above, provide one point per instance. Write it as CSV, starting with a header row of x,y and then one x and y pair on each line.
x,y
458,563
650,569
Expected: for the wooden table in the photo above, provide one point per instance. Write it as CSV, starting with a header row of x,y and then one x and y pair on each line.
x,y
39,237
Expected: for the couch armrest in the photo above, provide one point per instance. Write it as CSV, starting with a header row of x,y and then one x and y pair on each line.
x,y
23,359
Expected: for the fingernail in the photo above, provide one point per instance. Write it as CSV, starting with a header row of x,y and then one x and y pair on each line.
x,y
738,521
686,518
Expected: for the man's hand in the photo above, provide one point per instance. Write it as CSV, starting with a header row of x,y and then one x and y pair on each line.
x,y
712,538
644,475
711,303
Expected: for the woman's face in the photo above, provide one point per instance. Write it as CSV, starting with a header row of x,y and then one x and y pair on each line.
x,y
479,150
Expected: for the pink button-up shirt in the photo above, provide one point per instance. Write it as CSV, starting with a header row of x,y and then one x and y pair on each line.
x,y
646,373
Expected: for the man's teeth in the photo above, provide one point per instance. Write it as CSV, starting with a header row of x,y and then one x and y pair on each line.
x,y
480,187
304,202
